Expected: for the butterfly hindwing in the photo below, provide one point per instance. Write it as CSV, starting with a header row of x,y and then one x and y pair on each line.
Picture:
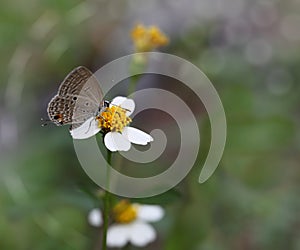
x,y
60,110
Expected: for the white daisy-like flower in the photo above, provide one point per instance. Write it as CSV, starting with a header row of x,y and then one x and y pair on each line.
x,y
131,224
114,121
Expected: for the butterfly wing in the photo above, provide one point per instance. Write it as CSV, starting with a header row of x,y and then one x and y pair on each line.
x,y
78,99
60,110
81,81
86,129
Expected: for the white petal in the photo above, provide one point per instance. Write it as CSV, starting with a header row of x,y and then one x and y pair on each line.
x,y
118,100
141,234
118,235
125,103
115,141
86,130
136,136
95,217
150,213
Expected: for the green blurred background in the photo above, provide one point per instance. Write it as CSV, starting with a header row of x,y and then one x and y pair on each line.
x,y
249,49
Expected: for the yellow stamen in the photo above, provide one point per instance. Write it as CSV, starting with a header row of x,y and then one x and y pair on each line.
x,y
148,38
124,212
113,119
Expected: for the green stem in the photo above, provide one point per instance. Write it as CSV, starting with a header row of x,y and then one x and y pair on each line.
x,y
136,70
107,198
131,89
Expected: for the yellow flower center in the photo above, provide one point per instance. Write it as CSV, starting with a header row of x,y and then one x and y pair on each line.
x,y
124,212
148,38
113,119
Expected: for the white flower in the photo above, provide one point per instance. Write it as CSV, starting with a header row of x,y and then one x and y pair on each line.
x,y
114,121
138,231
121,140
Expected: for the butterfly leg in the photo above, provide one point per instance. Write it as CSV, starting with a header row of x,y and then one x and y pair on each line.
x,y
89,127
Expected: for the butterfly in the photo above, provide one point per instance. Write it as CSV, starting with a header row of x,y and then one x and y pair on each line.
x,y
78,102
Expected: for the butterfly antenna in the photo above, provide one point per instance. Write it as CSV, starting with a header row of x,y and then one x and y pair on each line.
x,y
120,107
45,122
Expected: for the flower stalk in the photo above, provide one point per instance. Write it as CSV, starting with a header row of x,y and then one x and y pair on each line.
x,y
107,198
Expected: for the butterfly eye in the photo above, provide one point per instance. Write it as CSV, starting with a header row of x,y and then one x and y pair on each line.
x,y
106,104
75,98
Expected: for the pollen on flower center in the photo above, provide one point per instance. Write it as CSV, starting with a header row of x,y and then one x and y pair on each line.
x,y
124,212
113,118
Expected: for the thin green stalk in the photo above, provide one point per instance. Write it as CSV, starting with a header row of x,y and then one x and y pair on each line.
x,y
132,85
136,70
131,89
107,198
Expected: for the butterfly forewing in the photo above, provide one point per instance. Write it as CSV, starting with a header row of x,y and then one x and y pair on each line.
x,y
78,98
